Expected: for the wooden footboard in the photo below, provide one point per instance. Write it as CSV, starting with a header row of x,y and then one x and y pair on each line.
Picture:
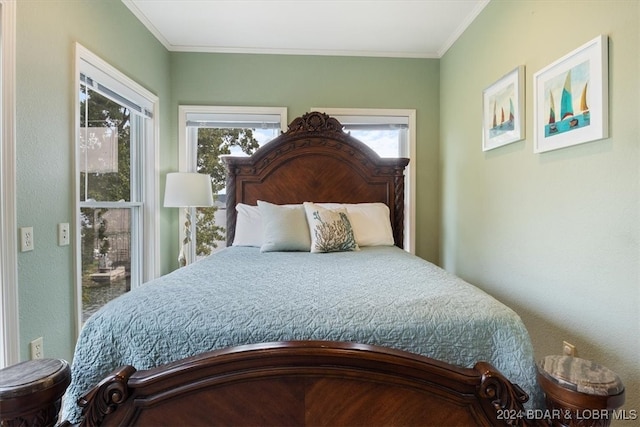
x,y
305,383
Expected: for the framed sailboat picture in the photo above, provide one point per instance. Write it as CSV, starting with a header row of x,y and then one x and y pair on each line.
x,y
571,98
503,110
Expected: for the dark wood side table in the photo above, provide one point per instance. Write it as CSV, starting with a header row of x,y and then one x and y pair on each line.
x,y
31,392
579,392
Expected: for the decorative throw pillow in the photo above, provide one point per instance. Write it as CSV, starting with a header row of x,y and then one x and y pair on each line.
x,y
284,228
330,230
370,221
248,226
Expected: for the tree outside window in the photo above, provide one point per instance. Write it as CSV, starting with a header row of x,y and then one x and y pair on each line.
x,y
206,134
213,143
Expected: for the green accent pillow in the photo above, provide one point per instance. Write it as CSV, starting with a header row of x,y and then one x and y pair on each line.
x,y
284,228
330,229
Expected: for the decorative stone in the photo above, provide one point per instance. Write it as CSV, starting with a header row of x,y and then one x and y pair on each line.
x,y
583,376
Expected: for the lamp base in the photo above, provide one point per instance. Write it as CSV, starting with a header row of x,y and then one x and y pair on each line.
x,y
182,259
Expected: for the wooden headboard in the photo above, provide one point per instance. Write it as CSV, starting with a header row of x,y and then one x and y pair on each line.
x,y
315,160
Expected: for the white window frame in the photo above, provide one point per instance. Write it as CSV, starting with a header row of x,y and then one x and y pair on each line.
x,y
9,331
149,251
410,172
187,153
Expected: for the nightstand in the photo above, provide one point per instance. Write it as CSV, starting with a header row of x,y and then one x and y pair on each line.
x,y
31,392
579,392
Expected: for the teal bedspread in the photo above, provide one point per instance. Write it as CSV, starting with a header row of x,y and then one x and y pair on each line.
x,y
378,295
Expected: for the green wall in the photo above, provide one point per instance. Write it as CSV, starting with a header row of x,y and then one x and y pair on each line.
x,y
46,35
554,235
302,82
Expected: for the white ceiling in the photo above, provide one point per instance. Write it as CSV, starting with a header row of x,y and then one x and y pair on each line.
x,y
389,28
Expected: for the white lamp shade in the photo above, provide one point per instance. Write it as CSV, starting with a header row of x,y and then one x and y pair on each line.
x,y
185,189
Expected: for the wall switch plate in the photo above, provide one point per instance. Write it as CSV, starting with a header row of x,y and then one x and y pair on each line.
x,y
26,239
63,234
37,348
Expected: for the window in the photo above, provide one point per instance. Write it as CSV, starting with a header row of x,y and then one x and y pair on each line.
x,y
206,133
9,342
390,133
115,155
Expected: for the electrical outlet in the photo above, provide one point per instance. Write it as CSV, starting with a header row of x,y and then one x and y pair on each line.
x,y
26,239
568,349
37,348
63,234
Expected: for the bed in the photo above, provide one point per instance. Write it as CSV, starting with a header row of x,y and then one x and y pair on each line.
x,y
352,322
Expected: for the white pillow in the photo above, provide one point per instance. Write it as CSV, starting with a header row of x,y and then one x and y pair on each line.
x,y
284,228
248,226
330,229
371,222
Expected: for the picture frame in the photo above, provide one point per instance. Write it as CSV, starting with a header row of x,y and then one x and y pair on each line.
x,y
571,98
503,110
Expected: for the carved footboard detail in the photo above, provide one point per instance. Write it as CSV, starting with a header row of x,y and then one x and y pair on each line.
x,y
306,383
105,398
506,398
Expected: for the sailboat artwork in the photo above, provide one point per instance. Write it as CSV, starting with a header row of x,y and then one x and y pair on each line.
x,y
500,123
574,109
571,98
503,109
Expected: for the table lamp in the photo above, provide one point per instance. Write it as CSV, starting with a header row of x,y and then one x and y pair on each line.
x,y
187,190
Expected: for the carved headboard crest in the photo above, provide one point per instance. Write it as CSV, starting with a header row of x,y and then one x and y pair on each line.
x,y
315,122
